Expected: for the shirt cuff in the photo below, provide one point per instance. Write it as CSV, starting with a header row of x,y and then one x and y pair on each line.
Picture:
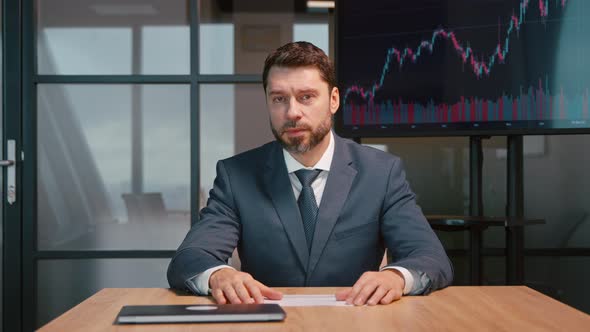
x,y
201,280
408,278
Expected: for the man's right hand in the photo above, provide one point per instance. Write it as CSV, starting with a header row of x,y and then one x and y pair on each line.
x,y
231,286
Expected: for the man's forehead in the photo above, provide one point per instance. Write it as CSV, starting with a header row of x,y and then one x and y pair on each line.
x,y
309,71
301,78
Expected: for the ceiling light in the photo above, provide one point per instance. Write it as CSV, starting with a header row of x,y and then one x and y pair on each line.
x,y
123,10
321,4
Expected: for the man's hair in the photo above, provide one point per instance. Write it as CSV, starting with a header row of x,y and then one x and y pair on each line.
x,y
300,54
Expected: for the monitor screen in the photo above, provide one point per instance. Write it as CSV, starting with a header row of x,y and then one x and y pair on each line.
x,y
462,67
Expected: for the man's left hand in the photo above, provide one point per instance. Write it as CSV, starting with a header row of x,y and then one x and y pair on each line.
x,y
373,288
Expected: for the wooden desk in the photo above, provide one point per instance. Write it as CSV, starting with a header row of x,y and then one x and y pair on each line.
x,y
470,308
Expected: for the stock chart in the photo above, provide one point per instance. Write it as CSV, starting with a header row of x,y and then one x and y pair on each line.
x,y
443,66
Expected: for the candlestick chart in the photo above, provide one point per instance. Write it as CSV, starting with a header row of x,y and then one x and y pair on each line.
x,y
464,64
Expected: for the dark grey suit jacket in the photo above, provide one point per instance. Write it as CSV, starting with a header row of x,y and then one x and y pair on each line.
x,y
367,206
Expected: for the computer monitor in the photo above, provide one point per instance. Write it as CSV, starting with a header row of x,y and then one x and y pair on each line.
x,y
462,67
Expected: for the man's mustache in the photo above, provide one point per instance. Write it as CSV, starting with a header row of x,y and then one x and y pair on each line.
x,y
294,125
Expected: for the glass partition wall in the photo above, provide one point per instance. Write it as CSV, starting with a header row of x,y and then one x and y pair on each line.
x,y
135,101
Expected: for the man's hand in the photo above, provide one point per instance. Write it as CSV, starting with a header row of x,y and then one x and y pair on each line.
x,y
231,286
374,287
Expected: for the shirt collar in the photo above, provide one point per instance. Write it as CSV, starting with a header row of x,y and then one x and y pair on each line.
x,y
323,164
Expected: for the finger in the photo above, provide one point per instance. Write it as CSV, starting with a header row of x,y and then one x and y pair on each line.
x,y
270,293
379,293
391,296
362,297
356,288
343,294
254,291
230,295
243,293
218,296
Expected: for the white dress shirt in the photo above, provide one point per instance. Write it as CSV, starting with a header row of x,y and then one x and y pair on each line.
x,y
201,281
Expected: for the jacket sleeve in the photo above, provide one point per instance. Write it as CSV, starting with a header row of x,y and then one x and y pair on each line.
x,y
212,239
408,236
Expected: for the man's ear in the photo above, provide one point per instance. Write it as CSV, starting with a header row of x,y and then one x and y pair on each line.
x,y
334,100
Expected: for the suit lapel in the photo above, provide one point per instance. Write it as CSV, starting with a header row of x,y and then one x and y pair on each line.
x,y
340,178
279,186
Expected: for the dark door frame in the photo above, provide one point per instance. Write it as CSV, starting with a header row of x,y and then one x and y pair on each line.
x,y
12,213
21,253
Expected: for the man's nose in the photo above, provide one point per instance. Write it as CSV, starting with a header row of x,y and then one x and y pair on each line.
x,y
293,112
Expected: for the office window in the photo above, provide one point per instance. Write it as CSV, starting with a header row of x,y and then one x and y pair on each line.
x,y
114,166
233,119
236,36
97,37
217,48
165,50
316,33
257,28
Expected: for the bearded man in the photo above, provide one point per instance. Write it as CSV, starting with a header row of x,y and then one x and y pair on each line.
x,y
311,208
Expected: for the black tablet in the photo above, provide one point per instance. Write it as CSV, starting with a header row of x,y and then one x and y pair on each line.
x,y
196,313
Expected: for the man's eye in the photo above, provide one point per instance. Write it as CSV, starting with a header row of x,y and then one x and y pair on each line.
x,y
278,99
306,97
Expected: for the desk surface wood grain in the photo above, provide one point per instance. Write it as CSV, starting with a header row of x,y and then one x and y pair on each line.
x,y
490,308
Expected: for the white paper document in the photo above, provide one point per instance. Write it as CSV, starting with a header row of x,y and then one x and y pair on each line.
x,y
308,301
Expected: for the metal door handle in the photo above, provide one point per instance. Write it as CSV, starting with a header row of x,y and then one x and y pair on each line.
x,y
10,171
6,162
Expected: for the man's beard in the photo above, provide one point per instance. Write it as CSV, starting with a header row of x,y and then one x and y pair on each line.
x,y
298,144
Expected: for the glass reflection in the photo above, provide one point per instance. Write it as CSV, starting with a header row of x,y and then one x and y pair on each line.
x,y
114,166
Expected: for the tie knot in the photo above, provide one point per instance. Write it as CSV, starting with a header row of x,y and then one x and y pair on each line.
x,y
306,176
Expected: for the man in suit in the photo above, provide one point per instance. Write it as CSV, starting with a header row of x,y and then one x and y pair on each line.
x,y
311,208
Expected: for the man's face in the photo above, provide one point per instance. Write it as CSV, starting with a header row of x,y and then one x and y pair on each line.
x,y
301,106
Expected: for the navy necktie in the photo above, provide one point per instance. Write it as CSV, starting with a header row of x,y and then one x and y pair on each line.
x,y
306,201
